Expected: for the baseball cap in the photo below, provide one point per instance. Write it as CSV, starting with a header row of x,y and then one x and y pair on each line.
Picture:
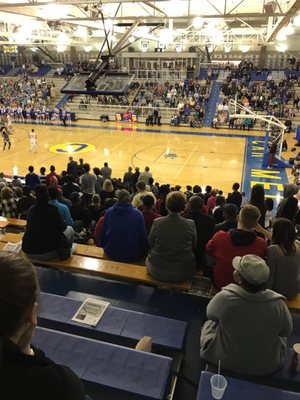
x,y
252,268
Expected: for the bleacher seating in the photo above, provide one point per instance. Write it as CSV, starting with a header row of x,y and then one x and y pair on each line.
x,y
294,304
95,252
11,237
292,72
110,270
142,375
5,69
42,71
243,389
19,223
116,323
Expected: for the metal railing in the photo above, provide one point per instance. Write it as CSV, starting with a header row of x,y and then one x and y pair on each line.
x,y
165,75
112,110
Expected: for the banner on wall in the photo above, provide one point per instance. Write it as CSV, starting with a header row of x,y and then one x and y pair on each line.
x,y
126,117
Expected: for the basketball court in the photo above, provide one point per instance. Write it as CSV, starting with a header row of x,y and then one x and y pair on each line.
x,y
183,157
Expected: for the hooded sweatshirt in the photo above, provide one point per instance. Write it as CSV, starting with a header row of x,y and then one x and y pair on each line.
x,y
124,236
288,207
224,246
246,331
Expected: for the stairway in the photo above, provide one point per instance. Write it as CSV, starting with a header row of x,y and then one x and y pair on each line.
x,y
211,106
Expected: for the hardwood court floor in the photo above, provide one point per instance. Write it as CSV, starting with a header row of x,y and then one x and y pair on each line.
x,y
175,158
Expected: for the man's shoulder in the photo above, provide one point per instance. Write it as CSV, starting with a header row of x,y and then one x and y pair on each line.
x,y
149,194
62,206
137,196
207,218
221,235
261,241
160,220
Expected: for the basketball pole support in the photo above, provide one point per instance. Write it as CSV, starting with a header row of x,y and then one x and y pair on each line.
x,y
279,162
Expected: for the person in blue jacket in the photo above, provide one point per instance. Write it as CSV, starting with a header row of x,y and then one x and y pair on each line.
x,y
124,236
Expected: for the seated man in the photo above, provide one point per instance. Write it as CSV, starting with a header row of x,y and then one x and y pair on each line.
x,y
230,214
247,324
123,235
25,202
47,236
224,246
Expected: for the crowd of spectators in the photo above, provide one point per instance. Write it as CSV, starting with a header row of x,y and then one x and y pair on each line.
x,y
106,100
267,97
235,241
188,98
26,98
83,197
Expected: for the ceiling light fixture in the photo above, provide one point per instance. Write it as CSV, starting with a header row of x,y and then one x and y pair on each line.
x,y
60,48
288,30
282,47
166,36
245,48
178,48
281,35
81,32
227,47
198,22
87,48
297,20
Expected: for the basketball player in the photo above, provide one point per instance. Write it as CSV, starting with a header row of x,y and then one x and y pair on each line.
x,y
32,140
5,137
9,123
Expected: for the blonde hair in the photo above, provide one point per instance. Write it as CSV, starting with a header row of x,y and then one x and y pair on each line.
x,y
107,186
249,216
175,201
96,200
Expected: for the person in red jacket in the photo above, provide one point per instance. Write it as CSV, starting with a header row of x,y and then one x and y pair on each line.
x,y
148,212
224,246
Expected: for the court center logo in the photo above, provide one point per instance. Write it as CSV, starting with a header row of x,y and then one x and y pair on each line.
x,y
71,148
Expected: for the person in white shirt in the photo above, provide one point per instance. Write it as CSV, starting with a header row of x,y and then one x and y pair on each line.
x,y
32,140
180,107
142,191
145,176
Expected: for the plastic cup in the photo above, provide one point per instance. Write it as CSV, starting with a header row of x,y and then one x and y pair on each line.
x,y
218,386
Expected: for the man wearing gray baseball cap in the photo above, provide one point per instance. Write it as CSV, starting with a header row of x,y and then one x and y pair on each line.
x,y
247,324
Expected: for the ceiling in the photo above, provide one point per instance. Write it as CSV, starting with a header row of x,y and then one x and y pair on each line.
x,y
85,22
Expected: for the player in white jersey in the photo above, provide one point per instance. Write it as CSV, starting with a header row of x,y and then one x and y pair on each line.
x,y
20,114
9,123
32,140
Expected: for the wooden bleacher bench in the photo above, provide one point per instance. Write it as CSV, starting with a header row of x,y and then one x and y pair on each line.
x,y
12,237
19,223
112,367
95,252
3,225
110,270
90,251
294,303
